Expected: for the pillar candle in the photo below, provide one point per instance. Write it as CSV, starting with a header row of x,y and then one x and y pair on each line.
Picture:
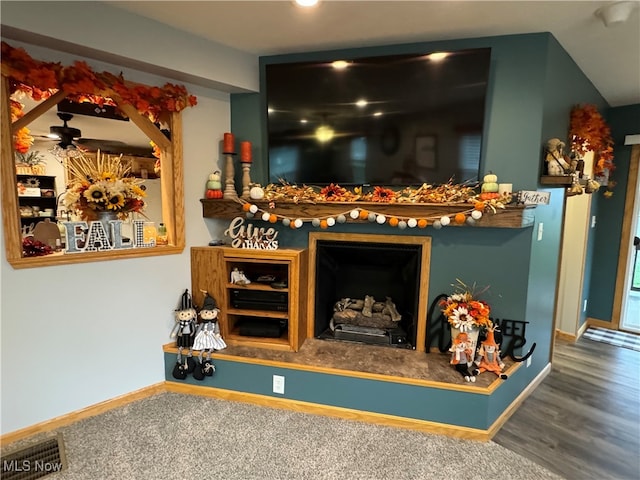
x,y
228,143
505,188
245,152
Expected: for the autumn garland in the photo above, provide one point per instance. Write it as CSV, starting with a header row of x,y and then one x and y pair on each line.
x,y
40,80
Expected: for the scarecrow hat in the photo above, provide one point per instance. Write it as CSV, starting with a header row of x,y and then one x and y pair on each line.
x,y
490,340
209,303
185,301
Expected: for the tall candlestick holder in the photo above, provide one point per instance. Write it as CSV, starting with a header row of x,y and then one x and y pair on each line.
x,y
229,174
246,179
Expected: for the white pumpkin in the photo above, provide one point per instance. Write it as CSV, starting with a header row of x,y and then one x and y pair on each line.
x,y
256,193
490,178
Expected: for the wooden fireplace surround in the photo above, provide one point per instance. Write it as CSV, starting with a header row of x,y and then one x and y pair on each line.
x,y
425,256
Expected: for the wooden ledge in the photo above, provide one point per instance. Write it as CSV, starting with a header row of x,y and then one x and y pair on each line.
x,y
477,389
86,257
513,216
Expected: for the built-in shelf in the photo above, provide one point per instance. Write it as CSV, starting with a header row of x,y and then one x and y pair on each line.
x,y
513,216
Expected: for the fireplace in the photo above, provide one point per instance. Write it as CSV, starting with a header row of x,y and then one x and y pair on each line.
x,y
369,288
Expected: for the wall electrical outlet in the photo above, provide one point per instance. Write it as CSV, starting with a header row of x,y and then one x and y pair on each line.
x,y
278,384
540,230
584,305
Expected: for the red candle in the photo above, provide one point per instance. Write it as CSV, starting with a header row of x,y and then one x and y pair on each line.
x,y
228,143
245,152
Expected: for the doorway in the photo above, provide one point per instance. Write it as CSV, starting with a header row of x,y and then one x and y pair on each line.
x,y
630,250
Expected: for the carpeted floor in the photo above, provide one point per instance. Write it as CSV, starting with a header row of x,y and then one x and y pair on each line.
x,y
184,437
613,337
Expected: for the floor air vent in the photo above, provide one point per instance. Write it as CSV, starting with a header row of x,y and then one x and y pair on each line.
x,y
35,461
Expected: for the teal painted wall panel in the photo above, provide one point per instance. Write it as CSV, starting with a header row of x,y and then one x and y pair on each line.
x,y
564,86
409,401
492,257
610,213
246,126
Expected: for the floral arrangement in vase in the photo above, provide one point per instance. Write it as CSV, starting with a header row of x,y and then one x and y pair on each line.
x,y
30,163
103,184
464,310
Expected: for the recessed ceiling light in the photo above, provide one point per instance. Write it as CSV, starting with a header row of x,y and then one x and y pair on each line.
x,y
339,64
362,103
306,3
377,114
303,120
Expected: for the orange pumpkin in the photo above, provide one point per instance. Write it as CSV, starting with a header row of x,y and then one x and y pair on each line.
x,y
214,194
488,196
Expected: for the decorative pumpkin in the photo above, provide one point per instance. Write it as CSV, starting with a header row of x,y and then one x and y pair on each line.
x,y
489,183
214,182
488,196
211,194
490,187
256,192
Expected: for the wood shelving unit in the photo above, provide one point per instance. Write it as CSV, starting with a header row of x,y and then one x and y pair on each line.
x,y
211,269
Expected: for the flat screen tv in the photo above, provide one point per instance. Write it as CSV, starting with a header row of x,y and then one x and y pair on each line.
x,y
384,120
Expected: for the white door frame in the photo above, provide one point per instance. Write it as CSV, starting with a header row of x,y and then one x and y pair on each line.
x,y
623,278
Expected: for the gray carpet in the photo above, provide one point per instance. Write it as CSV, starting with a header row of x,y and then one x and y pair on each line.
x,y
174,436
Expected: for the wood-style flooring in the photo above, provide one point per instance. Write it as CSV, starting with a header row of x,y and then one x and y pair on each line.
x,y
583,421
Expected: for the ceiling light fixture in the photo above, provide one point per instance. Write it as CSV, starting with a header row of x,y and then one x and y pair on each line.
x,y
324,133
339,64
437,56
615,13
361,103
306,3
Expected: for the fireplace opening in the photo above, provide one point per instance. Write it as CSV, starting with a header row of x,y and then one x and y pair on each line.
x,y
367,292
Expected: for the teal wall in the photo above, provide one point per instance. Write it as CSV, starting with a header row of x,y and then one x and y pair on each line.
x,y
564,86
534,84
422,403
610,212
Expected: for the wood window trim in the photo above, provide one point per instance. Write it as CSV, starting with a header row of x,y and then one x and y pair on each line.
x,y
172,182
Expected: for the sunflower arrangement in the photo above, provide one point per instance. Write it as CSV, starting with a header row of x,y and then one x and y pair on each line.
x,y
103,184
382,195
464,310
333,192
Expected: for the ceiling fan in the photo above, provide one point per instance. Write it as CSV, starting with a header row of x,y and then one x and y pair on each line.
x,y
64,133
69,139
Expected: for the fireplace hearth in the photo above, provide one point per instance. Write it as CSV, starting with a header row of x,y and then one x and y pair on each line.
x,y
369,288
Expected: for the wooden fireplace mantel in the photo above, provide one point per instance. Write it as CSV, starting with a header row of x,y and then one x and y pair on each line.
x,y
513,216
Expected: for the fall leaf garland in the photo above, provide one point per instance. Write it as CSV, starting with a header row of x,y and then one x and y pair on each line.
x,y
40,80
589,132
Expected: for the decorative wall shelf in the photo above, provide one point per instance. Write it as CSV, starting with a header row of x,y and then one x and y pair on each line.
x,y
513,216
557,180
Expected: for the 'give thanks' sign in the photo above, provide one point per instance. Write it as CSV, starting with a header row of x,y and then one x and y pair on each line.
x,y
248,236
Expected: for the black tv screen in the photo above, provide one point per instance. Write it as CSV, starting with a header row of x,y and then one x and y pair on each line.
x,y
385,120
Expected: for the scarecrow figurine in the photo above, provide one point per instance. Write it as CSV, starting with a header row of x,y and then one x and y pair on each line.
x,y
207,337
488,359
184,331
462,356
